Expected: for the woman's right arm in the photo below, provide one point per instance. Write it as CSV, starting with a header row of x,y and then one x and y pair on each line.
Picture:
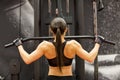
x,y
88,56
33,56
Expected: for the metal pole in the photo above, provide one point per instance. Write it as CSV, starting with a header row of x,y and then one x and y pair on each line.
x,y
36,33
68,7
59,6
96,34
79,30
68,12
100,5
49,7
14,69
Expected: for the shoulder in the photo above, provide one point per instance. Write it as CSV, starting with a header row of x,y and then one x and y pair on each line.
x,y
73,43
45,46
45,43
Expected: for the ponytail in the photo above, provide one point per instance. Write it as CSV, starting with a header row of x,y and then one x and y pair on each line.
x,y
58,26
59,49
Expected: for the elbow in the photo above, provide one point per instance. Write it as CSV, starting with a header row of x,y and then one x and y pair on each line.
x,y
90,60
27,61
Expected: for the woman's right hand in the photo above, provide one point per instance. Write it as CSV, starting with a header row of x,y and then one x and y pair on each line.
x,y
17,42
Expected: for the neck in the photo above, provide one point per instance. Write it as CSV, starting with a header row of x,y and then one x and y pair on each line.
x,y
62,38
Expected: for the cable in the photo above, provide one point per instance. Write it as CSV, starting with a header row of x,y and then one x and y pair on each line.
x,y
19,25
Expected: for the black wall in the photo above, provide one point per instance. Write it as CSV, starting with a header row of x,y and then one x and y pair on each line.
x,y
11,28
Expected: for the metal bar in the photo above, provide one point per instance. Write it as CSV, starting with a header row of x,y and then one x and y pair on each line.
x,y
59,6
100,5
96,34
67,19
14,69
57,12
67,10
68,7
66,37
95,17
37,15
79,30
49,7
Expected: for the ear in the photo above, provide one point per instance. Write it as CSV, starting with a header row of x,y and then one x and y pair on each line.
x,y
66,30
50,30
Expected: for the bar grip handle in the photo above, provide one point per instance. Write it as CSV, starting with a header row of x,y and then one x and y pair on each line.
x,y
109,42
9,45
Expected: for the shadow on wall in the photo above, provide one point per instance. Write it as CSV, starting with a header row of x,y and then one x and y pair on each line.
x,y
11,29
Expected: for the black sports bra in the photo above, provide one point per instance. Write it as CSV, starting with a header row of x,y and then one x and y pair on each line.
x,y
66,61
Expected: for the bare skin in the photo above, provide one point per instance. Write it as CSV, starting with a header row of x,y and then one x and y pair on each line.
x,y
47,49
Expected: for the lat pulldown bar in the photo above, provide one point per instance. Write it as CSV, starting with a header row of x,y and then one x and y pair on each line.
x,y
66,37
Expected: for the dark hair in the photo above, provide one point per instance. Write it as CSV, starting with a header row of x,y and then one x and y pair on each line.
x,y
58,26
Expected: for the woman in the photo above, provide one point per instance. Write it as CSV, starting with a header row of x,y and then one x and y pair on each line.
x,y
60,52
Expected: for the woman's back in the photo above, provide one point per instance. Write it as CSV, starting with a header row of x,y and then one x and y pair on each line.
x,y
68,55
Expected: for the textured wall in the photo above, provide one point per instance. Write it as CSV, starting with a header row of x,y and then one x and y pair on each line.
x,y
109,25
